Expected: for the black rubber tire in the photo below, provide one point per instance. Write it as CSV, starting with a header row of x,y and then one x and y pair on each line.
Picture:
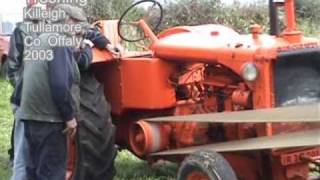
x,y
210,163
95,142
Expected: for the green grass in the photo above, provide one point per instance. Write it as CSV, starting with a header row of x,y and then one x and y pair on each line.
x,y
128,166
5,128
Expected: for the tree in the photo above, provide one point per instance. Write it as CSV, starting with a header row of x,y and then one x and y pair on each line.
x,y
191,12
195,12
308,9
102,9
308,19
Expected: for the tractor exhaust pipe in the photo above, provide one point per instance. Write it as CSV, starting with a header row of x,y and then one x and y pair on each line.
x,y
274,19
289,6
290,15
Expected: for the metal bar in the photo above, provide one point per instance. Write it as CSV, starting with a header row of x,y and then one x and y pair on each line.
x,y
290,15
289,140
302,113
300,52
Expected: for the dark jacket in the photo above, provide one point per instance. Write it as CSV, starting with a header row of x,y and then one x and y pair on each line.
x,y
51,88
98,39
15,64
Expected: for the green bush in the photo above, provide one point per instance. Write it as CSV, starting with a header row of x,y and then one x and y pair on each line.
x,y
238,16
110,9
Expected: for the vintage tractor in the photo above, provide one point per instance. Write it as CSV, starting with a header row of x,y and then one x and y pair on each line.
x,y
228,106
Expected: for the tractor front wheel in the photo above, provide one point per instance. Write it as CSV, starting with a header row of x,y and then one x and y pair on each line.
x,y
206,165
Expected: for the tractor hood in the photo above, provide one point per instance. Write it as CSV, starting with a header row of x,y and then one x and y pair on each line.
x,y
209,43
206,43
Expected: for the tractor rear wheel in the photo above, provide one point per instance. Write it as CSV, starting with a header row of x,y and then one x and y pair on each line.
x,y
206,165
95,141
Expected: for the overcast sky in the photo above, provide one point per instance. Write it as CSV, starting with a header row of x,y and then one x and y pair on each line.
x,y
11,10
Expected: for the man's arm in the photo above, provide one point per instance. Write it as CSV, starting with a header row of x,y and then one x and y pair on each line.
x,y
101,42
15,56
97,38
60,79
83,58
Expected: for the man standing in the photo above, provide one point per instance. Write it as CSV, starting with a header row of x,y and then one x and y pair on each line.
x,y
14,74
19,148
49,104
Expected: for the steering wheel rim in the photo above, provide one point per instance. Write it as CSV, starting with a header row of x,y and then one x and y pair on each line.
x,y
130,8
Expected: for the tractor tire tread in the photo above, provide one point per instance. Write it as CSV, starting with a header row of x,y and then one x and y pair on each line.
x,y
96,150
209,162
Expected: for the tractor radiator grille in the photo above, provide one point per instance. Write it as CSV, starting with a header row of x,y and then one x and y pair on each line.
x,y
297,79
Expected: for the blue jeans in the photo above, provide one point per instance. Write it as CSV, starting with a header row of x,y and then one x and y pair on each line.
x,y
48,150
21,151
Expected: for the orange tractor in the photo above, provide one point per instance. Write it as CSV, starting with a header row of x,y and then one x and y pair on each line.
x,y
228,106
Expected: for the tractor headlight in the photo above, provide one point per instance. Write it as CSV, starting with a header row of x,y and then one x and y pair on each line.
x,y
250,72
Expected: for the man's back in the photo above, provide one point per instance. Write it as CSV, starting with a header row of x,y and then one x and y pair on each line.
x,y
37,95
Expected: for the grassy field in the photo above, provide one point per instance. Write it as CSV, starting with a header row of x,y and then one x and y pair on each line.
x,y
5,128
128,166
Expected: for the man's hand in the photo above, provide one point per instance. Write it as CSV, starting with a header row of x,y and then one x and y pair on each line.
x,y
115,51
71,128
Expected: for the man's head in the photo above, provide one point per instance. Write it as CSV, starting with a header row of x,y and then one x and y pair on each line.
x,y
74,14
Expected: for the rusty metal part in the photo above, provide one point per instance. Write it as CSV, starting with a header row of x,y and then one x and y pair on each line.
x,y
310,160
148,137
290,140
309,156
197,175
302,113
240,97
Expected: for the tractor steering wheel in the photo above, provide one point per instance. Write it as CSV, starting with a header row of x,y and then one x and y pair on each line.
x,y
138,13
